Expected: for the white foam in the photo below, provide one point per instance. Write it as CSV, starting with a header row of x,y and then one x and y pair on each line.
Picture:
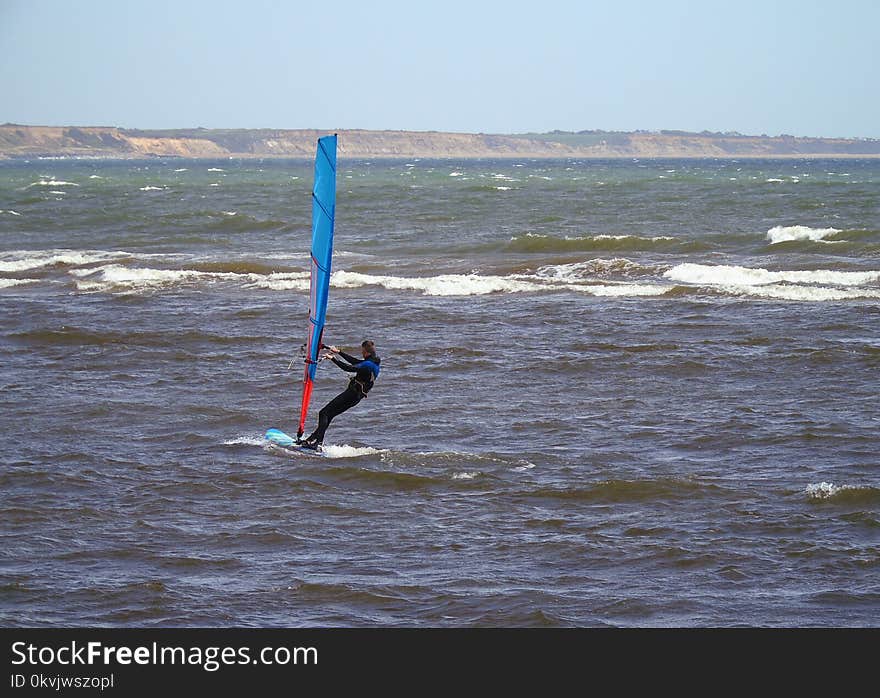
x,y
8,283
824,490
151,188
806,293
11,212
745,276
789,233
282,281
813,293
619,290
529,235
22,260
475,284
577,272
443,285
345,451
626,237
52,182
132,278
216,169
464,476
245,441
116,277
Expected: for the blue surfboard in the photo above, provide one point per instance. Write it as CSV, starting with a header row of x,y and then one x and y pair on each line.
x,y
277,437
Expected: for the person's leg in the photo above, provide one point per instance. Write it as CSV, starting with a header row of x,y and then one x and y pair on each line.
x,y
342,402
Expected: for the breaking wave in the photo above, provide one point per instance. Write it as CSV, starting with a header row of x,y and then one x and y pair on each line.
x,y
116,277
8,283
24,260
850,494
810,285
793,233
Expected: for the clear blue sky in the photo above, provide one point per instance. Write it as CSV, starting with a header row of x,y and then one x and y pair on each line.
x,y
804,67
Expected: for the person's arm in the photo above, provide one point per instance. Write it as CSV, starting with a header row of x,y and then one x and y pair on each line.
x,y
344,366
348,357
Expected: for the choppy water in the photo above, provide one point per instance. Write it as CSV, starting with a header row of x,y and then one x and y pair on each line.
x,y
613,393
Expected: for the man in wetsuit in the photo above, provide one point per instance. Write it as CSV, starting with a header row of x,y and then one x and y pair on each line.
x,y
366,371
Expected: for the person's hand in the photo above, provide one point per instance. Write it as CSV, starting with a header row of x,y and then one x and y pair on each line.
x,y
333,349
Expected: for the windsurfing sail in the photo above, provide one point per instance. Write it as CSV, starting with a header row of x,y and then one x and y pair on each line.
x,y
323,216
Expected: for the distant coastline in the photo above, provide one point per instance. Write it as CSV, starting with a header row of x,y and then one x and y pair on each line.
x,y
33,142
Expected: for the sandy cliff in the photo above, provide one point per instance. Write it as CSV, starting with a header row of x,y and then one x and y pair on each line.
x,y
109,142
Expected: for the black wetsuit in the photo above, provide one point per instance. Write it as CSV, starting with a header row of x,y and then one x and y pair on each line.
x,y
358,387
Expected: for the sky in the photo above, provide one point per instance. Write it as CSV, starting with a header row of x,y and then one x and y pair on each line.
x,y
804,67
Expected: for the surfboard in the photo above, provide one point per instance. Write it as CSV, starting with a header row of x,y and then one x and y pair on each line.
x,y
276,437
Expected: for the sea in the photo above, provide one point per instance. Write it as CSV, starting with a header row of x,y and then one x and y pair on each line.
x,y
614,393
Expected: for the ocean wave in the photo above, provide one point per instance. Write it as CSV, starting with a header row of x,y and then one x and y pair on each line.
x,y
582,277
792,233
9,283
245,441
346,451
534,242
10,212
52,182
747,276
24,260
122,278
281,281
577,272
443,285
804,293
475,285
116,277
820,285
622,290
850,494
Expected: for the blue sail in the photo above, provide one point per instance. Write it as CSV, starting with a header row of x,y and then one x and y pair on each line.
x,y
323,217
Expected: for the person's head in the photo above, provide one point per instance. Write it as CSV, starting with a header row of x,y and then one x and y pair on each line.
x,y
368,348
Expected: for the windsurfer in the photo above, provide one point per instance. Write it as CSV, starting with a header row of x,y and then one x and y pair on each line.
x,y
366,371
